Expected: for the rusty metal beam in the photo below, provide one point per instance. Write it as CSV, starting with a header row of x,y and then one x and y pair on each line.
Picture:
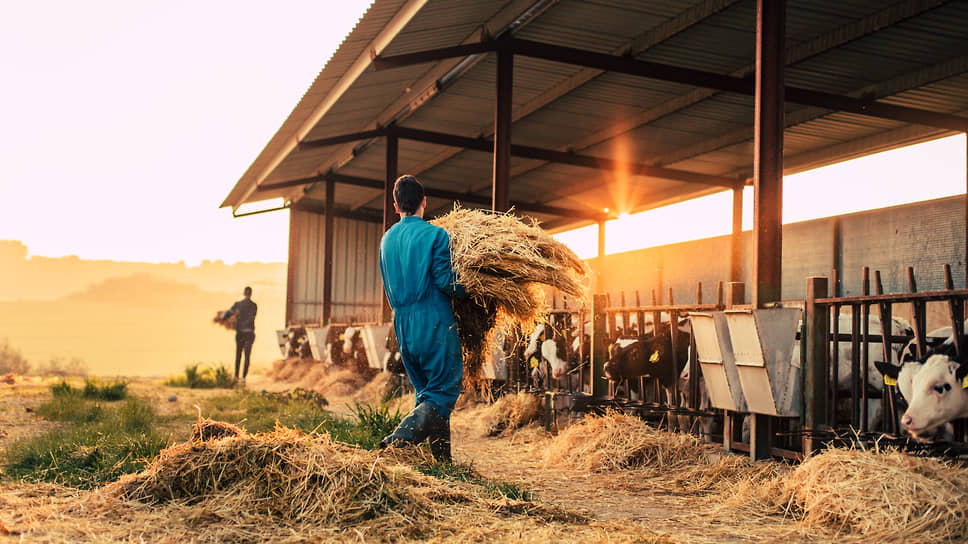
x,y
501,178
721,82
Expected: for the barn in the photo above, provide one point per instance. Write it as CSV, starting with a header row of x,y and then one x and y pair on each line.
x,y
572,111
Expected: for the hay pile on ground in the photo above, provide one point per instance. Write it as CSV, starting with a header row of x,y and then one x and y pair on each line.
x,y
615,440
880,496
503,262
511,412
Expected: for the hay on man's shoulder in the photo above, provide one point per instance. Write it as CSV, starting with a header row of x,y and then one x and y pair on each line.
x,y
503,263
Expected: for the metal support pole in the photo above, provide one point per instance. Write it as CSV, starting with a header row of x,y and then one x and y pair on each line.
x,y
294,235
599,383
815,321
733,421
736,239
767,178
328,252
600,261
500,195
389,214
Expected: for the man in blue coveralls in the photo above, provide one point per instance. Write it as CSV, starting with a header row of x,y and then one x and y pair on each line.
x,y
419,281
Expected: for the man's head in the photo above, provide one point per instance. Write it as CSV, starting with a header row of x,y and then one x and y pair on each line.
x,y
247,291
408,195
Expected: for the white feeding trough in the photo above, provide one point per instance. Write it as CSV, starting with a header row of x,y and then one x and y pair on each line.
x,y
762,342
375,344
715,354
317,342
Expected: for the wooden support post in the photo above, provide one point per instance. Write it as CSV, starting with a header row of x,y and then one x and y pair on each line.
x,y
328,252
815,368
500,194
767,179
599,384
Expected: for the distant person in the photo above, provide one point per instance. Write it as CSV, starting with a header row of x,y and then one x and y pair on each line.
x,y
244,312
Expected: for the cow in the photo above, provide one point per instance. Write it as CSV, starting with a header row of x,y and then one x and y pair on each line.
x,y
542,349
651,354
935,389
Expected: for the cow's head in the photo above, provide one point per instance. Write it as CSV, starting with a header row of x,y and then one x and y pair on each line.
x,y
621,354
349,336
936,390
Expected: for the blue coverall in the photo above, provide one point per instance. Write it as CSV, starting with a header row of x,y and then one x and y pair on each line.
x,y
418,279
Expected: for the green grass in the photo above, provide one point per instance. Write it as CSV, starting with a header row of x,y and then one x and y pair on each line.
x,y
203,377
98,444
464,473
93,389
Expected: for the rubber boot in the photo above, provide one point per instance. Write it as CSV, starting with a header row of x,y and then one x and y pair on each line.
x,y
416,427
439,439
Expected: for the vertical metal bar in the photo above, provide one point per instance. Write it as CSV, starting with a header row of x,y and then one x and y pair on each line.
x,y
887,339
768,152
767,178
698,293
719,295
814,345
328,252
855,365
918,322
500,195
389,213
956,311
639,314
736,238
865,350
733,421
834,362
625,315
598,346
599,267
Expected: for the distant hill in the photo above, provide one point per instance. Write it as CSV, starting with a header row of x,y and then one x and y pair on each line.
x,y
152,320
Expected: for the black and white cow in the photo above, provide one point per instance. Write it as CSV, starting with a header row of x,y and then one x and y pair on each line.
x,y
651,355
935,389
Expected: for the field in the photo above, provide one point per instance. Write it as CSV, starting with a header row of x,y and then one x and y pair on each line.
x,y
608,479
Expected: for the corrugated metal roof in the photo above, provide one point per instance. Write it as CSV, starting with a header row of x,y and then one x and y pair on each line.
x,y
912,53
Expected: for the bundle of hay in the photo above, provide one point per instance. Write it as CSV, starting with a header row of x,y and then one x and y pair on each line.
x,y
884,496
503,262
511,412
615,440
227,323
286,474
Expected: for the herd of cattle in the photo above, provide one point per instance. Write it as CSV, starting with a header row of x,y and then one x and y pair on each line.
x,y
651,362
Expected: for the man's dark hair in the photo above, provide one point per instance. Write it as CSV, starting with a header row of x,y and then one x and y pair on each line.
x,y
408,193
247,291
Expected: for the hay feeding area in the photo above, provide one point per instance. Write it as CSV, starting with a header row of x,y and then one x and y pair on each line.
x,y
511,412
503,263
327,380
615,440
287,486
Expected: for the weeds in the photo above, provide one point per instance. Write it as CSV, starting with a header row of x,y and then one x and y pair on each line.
x,y
207,377
464,473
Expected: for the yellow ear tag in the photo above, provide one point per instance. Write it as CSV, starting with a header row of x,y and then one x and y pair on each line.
x,y
964,382
890,381
655,357
341,337
534,361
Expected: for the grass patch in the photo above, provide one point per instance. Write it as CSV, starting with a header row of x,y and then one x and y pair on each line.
x,y
93,389
203,377
100,444
464,473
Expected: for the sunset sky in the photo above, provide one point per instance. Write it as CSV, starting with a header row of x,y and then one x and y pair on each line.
x,y
125,124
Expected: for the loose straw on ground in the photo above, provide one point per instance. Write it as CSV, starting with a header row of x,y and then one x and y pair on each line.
x,y
511,412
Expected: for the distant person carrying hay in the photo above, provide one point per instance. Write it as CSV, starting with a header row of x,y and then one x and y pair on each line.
x,y
419,281
244,312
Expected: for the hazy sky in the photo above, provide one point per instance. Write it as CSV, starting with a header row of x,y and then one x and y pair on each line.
x,y
125,124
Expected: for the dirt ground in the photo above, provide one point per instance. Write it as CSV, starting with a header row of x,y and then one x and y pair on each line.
x,y
626,495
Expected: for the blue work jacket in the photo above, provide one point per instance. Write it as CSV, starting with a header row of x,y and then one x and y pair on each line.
x,y
419,281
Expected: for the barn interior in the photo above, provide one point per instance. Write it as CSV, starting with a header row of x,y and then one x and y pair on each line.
x,y
574,111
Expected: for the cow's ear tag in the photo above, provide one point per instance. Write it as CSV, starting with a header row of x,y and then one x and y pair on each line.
x,y
890,381
533,361
655,357
341,337
964,382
